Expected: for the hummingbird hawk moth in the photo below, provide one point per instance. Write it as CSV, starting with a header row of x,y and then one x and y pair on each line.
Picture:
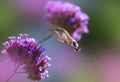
x,y
64,37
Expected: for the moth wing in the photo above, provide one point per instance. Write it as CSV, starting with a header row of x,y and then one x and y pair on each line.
x,y
58,34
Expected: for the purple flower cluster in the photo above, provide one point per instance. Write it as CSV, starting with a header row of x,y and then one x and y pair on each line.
x,y
24,51
68,16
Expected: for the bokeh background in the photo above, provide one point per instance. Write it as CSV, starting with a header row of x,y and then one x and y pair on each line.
x,y
99,59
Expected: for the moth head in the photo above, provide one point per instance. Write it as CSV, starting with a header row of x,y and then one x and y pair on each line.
x,y
75,45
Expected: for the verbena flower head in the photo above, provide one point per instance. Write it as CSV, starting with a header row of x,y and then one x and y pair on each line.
x,y
68,16
24,50
18,48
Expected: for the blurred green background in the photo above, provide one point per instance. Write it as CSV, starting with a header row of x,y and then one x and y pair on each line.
x,y
99,60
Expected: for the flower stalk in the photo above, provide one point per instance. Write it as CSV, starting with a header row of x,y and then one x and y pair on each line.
x,y
45,39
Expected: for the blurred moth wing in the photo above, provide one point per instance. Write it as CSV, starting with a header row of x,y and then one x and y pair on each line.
x,y
64,37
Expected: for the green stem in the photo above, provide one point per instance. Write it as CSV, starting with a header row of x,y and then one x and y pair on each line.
x,y
12,73
45,39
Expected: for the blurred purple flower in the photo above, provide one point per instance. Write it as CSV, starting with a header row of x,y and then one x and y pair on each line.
x,y
68,16
24,50
32,8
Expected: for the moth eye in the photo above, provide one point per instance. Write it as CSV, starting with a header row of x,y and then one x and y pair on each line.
x,y
74,43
